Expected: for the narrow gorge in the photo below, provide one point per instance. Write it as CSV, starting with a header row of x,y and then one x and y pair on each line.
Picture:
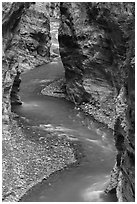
x,y
68,102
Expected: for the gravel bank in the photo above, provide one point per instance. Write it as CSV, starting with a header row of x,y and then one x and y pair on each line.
x,y
101,109
26,163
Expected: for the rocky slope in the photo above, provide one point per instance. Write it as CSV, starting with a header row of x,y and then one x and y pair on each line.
x,y
96,43
26,44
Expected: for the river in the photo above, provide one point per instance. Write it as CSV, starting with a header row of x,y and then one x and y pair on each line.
x,y
39,114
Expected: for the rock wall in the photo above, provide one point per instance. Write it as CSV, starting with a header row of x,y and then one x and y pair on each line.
x,y
122,179
26,44
87,56
97,50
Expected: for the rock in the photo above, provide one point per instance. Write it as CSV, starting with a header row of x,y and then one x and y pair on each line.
x,y
26,44
96,43
86,55
125,160
15,99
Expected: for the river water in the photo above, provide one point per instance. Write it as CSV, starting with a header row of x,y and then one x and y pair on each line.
x,y
38,114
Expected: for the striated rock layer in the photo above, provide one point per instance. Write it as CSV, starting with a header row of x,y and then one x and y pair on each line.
x,y
96,43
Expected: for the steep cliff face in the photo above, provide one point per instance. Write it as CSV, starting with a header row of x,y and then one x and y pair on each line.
x,y
97,50
123,175
124,129
26,44
87,56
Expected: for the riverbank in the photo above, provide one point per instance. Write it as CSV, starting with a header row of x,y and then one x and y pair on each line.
x,y
102,111
26,162
49,181
50,134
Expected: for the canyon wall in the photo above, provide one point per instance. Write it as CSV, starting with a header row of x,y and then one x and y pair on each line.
x,y
26,44
97,50
87,56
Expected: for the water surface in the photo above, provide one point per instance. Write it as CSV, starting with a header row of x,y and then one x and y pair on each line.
x,y
40,115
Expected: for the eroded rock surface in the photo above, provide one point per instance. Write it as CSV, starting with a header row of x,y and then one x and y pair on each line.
x,y
87,58
97,50
26,43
